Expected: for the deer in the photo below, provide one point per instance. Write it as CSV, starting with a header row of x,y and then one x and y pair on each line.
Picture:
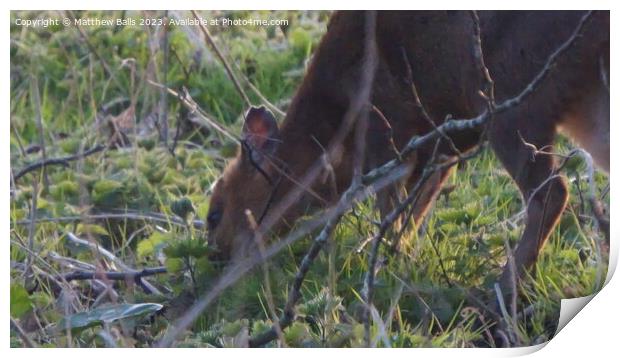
x,y
434,51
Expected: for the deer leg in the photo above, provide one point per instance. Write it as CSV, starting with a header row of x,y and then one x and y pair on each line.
x,y
544,209
428,192
515,141
388,199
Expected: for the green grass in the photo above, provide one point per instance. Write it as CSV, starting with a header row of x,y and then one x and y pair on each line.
x,y
463,243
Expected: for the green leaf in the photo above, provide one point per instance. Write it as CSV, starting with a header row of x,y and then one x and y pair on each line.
x,y
20,301
323,304
70,145
91,229
232,328
104,191
64,189
260,326
297,334
174,265
187,248
108,314
155,242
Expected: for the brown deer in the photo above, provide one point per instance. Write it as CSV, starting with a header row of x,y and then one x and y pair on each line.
x,y
433,50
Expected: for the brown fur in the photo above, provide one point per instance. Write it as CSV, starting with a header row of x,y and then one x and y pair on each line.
x,y
439,47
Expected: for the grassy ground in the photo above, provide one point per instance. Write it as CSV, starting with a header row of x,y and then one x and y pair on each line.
x,y
70,86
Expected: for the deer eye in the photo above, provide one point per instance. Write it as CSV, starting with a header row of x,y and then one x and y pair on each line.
x,y
213,219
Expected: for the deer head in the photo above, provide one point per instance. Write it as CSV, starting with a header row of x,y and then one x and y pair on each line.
x,y
241,195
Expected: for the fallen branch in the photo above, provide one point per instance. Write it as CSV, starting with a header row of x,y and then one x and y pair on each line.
x,y
133,276
155,217
64,161
146,286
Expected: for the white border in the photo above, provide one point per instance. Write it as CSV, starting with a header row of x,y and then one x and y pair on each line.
x,y
591,332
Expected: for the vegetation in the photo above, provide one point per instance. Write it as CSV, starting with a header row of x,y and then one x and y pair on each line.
x,y
139,203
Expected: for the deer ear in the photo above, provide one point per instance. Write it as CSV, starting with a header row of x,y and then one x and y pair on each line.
x,y
261,133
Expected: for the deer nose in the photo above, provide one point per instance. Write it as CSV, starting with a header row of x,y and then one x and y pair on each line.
x,y
217,255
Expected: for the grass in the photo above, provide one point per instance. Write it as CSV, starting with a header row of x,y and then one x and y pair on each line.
x,y
421,293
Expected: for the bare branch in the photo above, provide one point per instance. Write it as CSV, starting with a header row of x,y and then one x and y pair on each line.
x,y
134,276
129,215
389,220
489,91
149,288
423,111
387,124
263,99
163,101
32,226
22,334
551,60
36,98
205,119
64,161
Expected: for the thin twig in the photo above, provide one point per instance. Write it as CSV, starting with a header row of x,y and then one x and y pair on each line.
x,y
163,101
231,75
258,239
155,217
389,220
36,98
32,227
18,139
418,103
189,102
502,305
295,294
22,334
133,276
489,91
64,161
511,317
387,125
149,288
92,49
257,92
549,64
